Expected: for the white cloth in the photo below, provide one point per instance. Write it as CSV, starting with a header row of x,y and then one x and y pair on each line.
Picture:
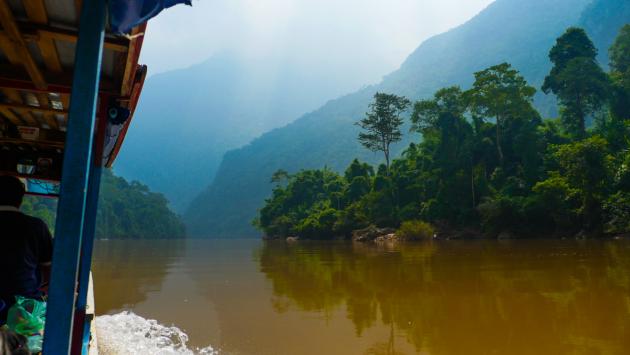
x,y
4,208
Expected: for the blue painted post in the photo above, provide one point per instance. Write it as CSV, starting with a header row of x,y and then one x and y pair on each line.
x,y
82,332
89,224
74,184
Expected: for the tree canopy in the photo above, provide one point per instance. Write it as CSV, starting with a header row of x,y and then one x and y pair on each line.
x,y
381,125
487,163
576,79
125,211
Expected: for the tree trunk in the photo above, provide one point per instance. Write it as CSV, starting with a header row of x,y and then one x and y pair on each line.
x,y
472,184
581,117
499,149
386,151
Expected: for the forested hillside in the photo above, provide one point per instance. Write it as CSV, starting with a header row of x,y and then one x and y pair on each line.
x,y
129,210
487,165
125,211
514,31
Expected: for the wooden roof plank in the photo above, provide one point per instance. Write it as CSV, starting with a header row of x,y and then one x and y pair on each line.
x,y
15,36
65,101
131,64
15,77
41,109
39,143
49,114
51,121
9,49
49,53
59,34
15,99
13,118
40,32
36,13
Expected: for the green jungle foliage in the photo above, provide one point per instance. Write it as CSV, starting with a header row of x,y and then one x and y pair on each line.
x,y
415,230
487,160
327,136
44,208
125,211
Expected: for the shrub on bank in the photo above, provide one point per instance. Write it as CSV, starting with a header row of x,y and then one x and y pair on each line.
x,y
415,230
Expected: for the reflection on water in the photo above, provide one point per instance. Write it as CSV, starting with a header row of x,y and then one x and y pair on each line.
x,y
128,270
249,297
467,297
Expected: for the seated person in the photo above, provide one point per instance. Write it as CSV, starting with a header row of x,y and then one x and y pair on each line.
x,y
25,248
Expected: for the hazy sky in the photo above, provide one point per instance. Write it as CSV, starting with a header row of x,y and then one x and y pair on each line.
x,y
372,36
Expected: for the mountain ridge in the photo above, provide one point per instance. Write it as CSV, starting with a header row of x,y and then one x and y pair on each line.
x,y
327,136
221,104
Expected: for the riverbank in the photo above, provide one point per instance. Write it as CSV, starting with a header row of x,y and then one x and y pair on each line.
x,y
386,234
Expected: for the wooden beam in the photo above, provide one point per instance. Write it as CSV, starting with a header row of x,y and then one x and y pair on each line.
x,y
38,143
9,49
13,118
15,77
131,105
48,49
131,63
36,13
48,112
27,85
65,101
40,109
15,36
14,59
15,98
35,32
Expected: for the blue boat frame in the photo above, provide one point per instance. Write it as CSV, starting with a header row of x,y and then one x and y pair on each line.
x,y
78,195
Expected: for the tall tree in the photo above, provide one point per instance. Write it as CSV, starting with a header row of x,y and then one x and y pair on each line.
x,y
620,56
587,167
279,176
382,123
443,117
576,79
448,135
620,73
502,94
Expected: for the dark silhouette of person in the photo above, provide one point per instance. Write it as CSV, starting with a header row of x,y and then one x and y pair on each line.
x,y
25,248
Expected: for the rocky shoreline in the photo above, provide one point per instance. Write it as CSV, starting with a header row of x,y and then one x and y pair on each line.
x,y
373,234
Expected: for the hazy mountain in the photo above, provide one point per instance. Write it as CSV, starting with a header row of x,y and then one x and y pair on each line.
x,y
187,119
518,31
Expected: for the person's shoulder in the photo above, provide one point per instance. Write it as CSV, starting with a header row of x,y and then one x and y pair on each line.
x,y
34,221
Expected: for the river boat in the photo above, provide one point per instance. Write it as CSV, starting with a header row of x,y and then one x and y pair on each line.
x,y
69,85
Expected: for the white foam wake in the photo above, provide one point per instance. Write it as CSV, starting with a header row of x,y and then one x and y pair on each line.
x,y
128,333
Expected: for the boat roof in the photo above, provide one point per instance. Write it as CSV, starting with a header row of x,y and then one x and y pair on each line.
x,y
37,52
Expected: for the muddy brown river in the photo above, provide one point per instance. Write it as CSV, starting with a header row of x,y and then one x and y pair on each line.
x,y
446,297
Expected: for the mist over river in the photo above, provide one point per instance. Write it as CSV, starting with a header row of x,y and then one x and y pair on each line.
x,y
446,297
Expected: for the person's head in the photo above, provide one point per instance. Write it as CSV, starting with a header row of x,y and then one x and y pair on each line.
x,y
12,343
11,191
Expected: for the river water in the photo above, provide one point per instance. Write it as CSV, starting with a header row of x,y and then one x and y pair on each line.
x,y
446,297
